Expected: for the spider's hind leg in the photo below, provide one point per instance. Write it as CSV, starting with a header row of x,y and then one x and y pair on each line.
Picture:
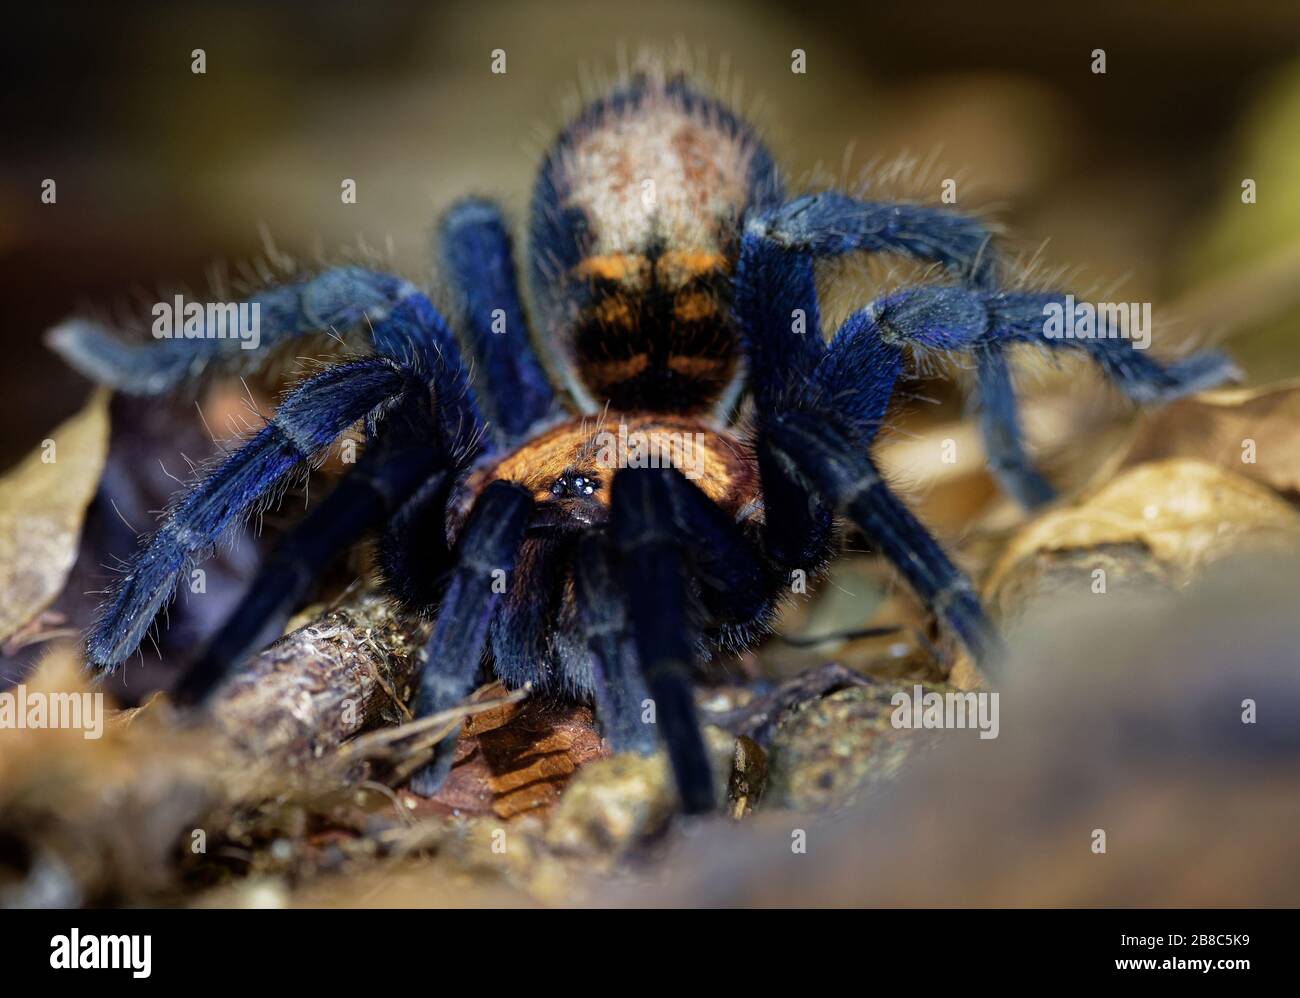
x,y
339,298
987,323
476,252
999,420
1024,318
832,224
403,326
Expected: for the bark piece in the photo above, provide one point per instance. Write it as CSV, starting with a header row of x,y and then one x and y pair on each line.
x,y
349,670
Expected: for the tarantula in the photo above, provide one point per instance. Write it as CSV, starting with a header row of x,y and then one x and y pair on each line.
x,y
670,275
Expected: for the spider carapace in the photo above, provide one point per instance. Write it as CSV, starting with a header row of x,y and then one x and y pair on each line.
x,y
599,547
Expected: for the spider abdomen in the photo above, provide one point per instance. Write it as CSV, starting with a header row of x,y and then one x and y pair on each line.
x,y
635,230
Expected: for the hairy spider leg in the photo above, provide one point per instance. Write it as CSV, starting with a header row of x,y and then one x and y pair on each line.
x,y
817,416
404,327
776,309
653,566
340,298
399,461
477,254
797,526
967,318
1010,318
830,224
836,467
412,548
850,389
871,342
734,585
523,638
617,685
310,417
1018,318
994,403
484,557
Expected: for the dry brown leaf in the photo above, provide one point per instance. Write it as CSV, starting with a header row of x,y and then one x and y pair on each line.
x,y
1249,431
516,759
42,505
1181,513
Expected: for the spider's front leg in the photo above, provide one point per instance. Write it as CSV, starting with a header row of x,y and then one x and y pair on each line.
x,y
810,448
618,687
653,574
403,459
484,557
402,324
819,410
831,224
675,549
309,418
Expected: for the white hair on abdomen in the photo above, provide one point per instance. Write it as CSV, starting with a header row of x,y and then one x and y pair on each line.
x,y
657,170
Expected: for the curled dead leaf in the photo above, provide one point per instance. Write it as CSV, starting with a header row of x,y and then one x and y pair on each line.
x,y
1249,431
43,503
517,759
1158,523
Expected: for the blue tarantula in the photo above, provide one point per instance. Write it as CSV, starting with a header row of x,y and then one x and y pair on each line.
x,y
670,276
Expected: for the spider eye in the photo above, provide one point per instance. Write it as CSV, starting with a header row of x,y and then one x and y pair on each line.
x,y
577,485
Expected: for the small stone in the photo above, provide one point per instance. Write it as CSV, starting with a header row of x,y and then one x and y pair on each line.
x,y
613,805
826,753
748,776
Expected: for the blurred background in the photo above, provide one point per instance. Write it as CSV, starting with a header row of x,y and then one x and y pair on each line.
x,y
1134,175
